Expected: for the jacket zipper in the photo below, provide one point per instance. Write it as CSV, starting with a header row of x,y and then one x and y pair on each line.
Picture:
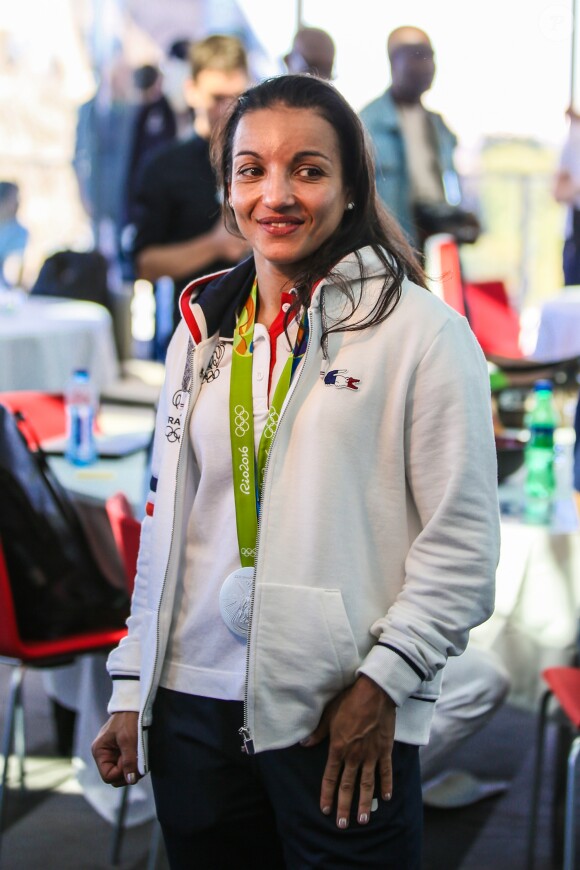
x,y
175,502
245,732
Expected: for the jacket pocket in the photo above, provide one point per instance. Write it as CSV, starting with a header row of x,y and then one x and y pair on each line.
x,y
305,649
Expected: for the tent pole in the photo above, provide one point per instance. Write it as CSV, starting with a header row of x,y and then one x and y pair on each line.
x,y
298,14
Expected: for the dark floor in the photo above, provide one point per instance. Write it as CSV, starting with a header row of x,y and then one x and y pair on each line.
x,y
52,827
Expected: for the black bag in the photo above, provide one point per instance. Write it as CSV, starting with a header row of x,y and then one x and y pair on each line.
x,y
74,275
58,585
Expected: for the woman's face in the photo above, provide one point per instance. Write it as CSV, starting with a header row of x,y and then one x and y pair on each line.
x,y
287,189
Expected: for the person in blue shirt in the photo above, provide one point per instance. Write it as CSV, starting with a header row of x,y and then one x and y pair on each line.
x,y
413,146
13,235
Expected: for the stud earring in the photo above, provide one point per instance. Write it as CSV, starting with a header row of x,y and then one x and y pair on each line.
x,y
230,204
350,206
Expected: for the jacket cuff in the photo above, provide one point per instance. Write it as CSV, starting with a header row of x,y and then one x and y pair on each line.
x,y
126,695
390,670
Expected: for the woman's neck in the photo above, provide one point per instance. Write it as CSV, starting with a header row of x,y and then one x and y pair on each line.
x,y
270,288
267,311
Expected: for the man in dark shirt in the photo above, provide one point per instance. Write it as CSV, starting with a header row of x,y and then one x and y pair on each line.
x,y
179,231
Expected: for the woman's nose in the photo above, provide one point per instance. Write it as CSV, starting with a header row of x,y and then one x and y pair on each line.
x,y
277,191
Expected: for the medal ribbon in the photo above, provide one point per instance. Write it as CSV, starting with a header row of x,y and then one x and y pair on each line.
x,y
249,474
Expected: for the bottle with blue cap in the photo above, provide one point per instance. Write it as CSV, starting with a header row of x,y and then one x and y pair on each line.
x,y
540,483
81,408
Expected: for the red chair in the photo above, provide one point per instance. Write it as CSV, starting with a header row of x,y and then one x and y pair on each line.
x,y
443,268
494,322
20,654
45,412
564,686
127,532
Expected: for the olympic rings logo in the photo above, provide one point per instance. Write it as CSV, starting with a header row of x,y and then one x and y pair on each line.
x,y
241,420
271,424
248,551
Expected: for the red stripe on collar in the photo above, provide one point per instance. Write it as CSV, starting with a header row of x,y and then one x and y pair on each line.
x,y
185,302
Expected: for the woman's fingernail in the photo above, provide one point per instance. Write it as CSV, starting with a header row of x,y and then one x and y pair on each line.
x,y
130,778
326,811
342,823
387,796
363,819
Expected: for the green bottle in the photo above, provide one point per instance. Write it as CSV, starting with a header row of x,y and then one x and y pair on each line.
x,y
540,486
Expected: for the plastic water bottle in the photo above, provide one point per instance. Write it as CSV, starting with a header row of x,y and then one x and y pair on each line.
x,y
540,483
81,406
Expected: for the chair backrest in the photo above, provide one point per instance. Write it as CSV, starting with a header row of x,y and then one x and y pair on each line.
x,y
10,642
486,304
127,532
443,270
45,652
44,411
495,323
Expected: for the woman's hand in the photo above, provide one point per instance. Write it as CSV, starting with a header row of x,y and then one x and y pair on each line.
x,y
115,750
361,726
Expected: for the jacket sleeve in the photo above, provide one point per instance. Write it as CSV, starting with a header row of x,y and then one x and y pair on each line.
x,y
451,471
124,662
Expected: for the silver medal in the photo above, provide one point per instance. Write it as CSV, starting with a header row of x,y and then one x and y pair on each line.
x,y
236,600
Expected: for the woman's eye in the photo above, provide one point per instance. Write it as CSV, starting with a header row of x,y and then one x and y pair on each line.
x,y
249,171
310,172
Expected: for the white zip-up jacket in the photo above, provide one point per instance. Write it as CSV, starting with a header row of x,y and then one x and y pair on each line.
x,y
379,530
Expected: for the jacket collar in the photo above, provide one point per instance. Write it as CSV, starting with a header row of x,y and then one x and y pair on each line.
x,y
211,304
389,116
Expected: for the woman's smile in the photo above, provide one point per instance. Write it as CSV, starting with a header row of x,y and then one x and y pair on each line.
x,y
287,189
279,226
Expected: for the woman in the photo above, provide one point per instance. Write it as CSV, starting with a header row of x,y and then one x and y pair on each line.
x,y
306,595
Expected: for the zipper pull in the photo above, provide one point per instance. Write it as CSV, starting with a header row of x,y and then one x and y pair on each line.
x,y
248,743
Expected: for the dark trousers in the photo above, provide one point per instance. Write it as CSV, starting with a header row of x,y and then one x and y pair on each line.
x,y
571,262
220,808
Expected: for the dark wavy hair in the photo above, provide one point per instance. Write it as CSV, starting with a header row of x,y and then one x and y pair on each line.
x,y
368,224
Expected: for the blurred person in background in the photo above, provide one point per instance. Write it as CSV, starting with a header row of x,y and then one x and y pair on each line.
x,y
312,52
178,229
103,137
414,147
13,236
567,191
474,687
153,126
176,69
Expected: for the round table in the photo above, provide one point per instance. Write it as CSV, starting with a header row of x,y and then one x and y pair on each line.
x,y
559,327
42,340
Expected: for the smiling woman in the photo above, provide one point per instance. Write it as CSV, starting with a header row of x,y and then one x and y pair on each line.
x,y
318,540
310,188
289,197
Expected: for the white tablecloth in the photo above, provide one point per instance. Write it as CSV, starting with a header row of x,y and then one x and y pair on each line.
x,y
43,339
535,622
559,328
